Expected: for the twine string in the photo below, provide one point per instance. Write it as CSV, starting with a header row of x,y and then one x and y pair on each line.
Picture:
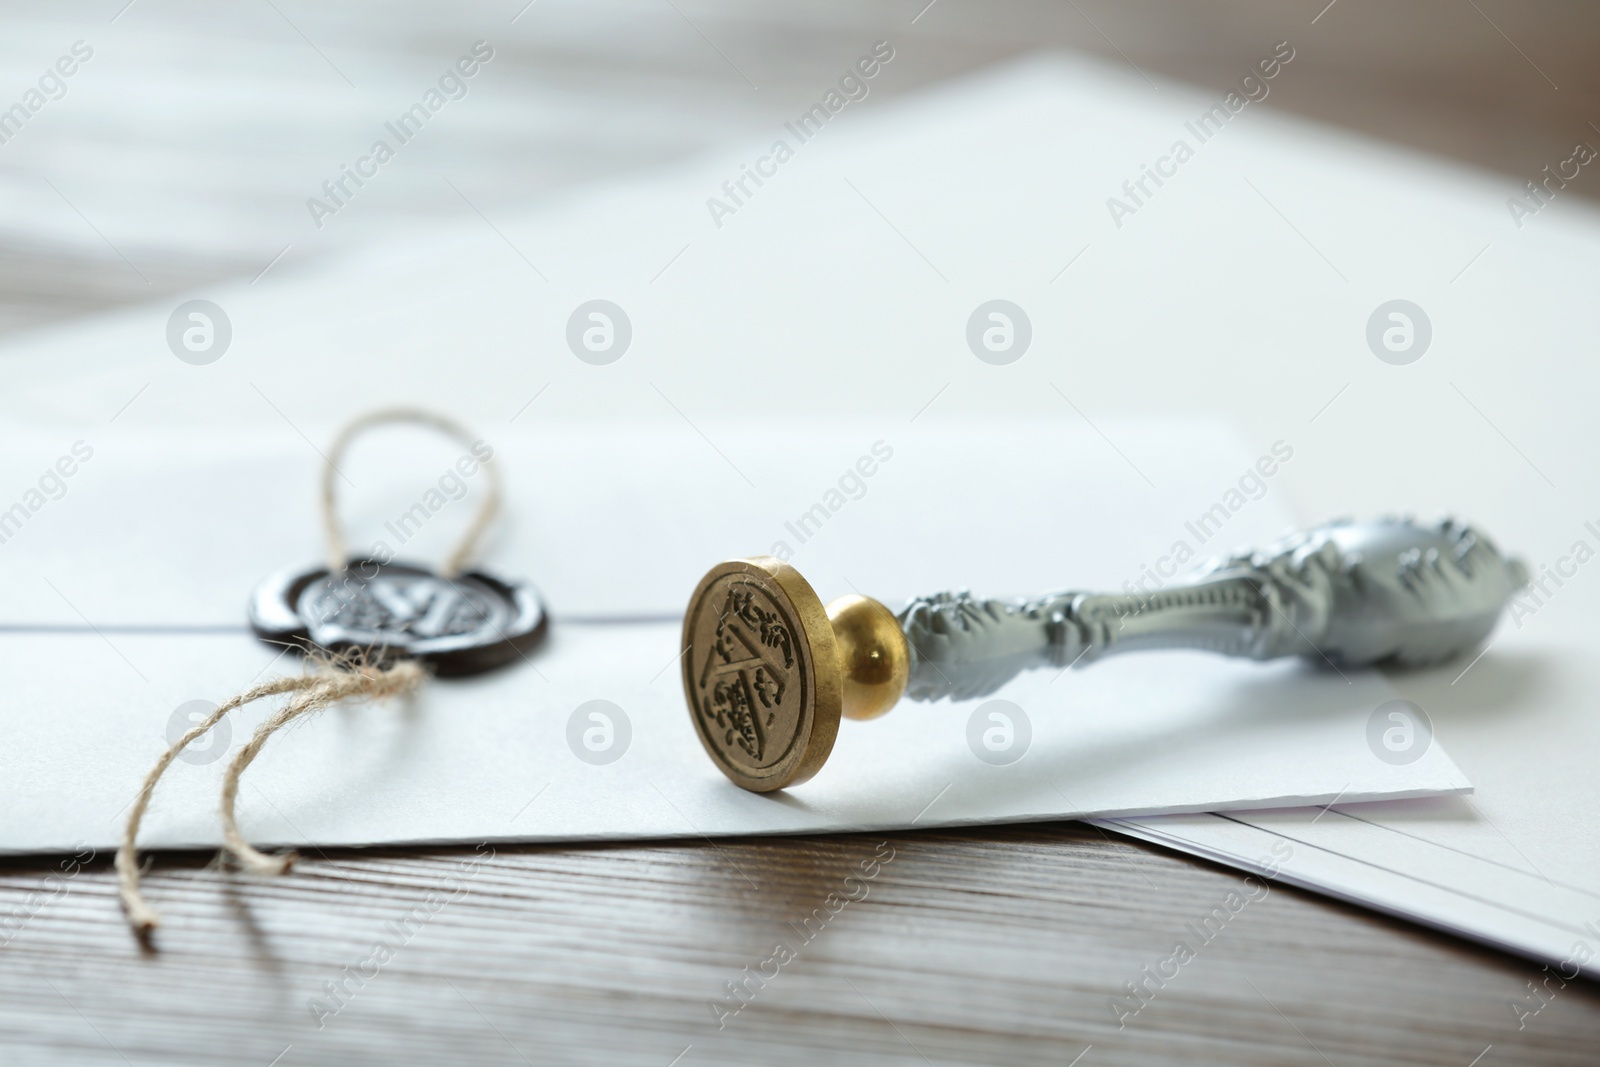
x,y
140,915
327,683
329,679
467,547
329,688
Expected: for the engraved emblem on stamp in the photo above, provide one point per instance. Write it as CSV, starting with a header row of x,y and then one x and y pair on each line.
x,y
760,669
768,672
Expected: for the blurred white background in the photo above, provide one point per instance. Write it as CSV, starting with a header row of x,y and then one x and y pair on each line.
x,y
184,150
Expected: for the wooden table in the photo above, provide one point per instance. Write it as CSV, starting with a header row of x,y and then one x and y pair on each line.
x,y
995,946
998,946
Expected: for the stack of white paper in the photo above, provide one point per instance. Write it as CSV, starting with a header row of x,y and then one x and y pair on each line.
x,y
1517,864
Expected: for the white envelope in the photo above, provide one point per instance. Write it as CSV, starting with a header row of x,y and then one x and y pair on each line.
x,y
125,600
170,528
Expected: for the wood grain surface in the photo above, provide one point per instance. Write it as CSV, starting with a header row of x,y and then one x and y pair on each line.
x,y
1003,946
191,163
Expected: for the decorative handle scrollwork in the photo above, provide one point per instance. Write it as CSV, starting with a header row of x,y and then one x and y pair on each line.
x,y
1346,593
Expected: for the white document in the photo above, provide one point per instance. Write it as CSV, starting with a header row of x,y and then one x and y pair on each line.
x,y
1517,864
126,603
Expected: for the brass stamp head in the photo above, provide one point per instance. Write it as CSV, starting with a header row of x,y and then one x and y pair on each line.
x,y
768,671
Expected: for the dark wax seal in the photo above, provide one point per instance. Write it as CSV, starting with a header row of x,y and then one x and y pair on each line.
x,y
468,624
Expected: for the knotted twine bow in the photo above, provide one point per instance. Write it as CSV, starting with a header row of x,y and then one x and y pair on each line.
x,y
329,679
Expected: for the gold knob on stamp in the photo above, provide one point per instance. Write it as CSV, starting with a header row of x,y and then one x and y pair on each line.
x,y
874,658
768,671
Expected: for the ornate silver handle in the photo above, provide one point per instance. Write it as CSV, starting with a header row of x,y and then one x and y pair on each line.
x,y
1346,593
